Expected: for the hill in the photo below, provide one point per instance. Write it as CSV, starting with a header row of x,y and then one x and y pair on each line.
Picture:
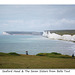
x,y
21,33
62,32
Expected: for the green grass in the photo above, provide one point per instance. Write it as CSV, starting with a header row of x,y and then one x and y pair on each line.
x,y
54,55
7,54
8,61
13,53
62,32
3,54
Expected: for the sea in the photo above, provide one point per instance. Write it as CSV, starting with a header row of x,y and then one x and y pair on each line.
x,y
34,44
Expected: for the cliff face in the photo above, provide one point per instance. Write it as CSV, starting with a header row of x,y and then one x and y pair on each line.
x,y
69,36
21,33
5,33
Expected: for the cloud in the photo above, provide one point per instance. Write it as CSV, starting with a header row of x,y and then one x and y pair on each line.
x,y
15,21
52,24
37,17
67,21
62,24
5,24
55,24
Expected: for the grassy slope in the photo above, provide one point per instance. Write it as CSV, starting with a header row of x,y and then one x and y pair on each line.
x,y
35,62
62,32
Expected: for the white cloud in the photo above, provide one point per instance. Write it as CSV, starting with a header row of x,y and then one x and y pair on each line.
x,y
5,24
15,21
67,21
63,22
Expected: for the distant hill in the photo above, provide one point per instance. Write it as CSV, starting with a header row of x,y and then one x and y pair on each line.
x,y
21,33
62,32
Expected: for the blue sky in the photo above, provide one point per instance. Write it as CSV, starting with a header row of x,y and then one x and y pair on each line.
x,y
36,17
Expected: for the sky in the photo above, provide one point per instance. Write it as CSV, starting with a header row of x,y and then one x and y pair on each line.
x,y
36,17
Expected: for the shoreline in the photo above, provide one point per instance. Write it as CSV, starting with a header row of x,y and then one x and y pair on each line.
x,y
60,39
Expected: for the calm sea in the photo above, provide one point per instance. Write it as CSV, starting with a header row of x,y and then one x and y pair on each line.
x,y
34,45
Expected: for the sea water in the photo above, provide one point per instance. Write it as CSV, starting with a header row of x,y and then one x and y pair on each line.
x,y
34,45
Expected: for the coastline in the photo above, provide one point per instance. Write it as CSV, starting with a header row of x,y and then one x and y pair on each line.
x,y
55,36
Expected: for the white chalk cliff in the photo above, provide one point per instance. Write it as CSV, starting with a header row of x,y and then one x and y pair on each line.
x,y
5,33
55,36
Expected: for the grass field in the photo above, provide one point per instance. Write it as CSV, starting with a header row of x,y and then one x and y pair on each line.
x,y
62,32
14,61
